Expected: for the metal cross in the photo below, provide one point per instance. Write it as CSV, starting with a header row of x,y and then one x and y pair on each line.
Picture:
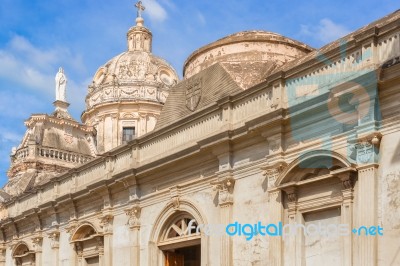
x,y
140,8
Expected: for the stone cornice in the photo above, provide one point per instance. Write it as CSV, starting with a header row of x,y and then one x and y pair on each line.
x,y
61,121
356,39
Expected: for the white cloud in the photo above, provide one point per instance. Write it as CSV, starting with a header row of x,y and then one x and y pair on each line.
x,y
326,31
201,18
32,68
155,11
8,140
18,71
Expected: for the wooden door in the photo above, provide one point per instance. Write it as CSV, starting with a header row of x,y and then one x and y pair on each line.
x,y
173,259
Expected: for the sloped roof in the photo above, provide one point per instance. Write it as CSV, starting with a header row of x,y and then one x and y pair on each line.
x,y
216,83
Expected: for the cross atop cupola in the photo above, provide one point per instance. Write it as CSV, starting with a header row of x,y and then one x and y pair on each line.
x,y
139,37
140,8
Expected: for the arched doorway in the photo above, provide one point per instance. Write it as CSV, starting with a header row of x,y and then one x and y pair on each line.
x,y
23,256
181,241
88,244
176,239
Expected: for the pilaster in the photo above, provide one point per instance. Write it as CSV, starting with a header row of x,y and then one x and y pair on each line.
x,y
133,214
275,212
3,254
106,223
347,179
37,242
54,237
295,239
225,186
367,150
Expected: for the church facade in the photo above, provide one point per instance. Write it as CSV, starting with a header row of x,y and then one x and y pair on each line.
x,y
268,152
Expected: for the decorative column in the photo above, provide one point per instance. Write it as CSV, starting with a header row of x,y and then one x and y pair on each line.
x,y
3,254
100,134
295,239
103,260
79,261
225,186
347,215
275,212
367,150
133,214
106,224
54,237
37,247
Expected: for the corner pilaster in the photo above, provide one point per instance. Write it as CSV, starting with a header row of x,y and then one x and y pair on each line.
x,y
225,186
133,214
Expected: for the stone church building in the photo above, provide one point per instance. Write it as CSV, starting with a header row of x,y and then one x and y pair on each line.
x,y
263,130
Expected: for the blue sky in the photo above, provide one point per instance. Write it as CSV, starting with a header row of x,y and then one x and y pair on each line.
x,y
36,37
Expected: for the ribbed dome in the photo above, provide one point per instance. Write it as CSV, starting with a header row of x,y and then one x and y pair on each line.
x,y
133,75
248,55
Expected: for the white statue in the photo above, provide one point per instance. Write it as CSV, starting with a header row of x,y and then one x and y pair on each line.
x,y
61,84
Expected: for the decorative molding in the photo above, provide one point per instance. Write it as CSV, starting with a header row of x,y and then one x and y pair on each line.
x,y
37,242
134,215
364,152
54,237
106,222
225,187
272,173
72,225
174,193
366,147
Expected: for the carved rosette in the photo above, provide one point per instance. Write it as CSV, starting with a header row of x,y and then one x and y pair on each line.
x,y
133,214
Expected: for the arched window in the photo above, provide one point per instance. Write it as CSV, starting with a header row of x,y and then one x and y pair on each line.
x,y
23,255
315,191
180,241
175,238
88,245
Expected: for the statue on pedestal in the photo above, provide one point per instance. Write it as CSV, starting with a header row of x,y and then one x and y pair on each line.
x,y
61,84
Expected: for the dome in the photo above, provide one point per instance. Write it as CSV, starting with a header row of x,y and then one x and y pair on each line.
x,y
249,56
133,75
127,94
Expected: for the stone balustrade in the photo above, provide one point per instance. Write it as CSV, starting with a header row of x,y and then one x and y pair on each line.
x,y
50,153
66,156
21,154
